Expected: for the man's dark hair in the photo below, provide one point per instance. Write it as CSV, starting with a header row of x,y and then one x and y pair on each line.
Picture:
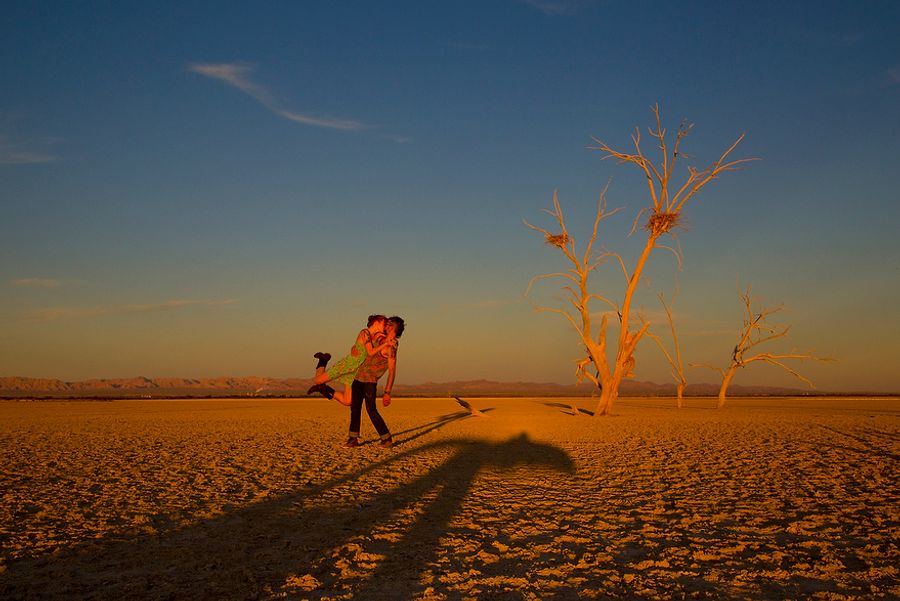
x,y
399,325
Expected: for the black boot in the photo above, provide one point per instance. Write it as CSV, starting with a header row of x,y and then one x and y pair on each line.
x,y
323,358
326,391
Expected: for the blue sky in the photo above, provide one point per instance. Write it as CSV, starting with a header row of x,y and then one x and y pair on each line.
x,y
194,189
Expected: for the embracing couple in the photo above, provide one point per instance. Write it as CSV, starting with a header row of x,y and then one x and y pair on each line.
x,y
373,353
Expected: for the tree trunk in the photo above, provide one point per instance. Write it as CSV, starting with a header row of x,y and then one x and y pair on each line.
x,y
608,395
726,379
679,391
623,352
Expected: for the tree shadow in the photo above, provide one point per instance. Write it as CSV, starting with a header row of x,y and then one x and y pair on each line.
x,y
569,409
419,431
285,545
654,404
414,433
468,407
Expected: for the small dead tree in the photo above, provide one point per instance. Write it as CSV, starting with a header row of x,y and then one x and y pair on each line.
x,y
665,212
675,362
582,265
756,331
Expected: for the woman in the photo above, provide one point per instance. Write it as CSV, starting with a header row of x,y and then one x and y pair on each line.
x,y
368,342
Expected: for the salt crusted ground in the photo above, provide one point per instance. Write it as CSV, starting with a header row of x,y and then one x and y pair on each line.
x,y
257,499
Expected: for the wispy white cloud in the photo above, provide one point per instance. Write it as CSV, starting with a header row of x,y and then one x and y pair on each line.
x,y
397,138
18,152
238,75
556,7
36,283
57,313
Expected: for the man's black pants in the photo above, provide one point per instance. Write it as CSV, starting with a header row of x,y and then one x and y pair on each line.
x,y
365,391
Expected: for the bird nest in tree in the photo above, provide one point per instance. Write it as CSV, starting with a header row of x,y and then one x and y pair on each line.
x,y
661,223
557,240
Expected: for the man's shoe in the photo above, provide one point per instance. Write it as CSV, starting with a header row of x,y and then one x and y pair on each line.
x,y
352,442
387,443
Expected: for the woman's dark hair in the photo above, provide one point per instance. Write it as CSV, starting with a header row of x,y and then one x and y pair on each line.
x,y
399,325
374,318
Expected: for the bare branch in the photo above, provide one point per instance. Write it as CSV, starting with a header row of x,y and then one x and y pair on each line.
x,y
636,337
637,159
536,278
601,215
665,352
562,240
613,305
660,134
637,218
800,356
678,364
707,366
536,228
698,179
775,334
565,314
675,252
683,130
581,371
773,360
598,261
622,263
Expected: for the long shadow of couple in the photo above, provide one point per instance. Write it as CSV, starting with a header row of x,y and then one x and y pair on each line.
x,y
282,546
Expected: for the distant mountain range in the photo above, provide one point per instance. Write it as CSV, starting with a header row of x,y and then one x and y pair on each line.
x,y
142,387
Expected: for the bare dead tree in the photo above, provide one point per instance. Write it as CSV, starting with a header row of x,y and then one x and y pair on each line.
x,y
756,331
582,265
674,358
665,211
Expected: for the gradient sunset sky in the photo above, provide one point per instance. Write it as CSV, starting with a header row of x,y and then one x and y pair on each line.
x,y
202,189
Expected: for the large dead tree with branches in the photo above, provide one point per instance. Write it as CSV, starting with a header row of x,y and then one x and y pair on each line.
x,y
668,201
755,332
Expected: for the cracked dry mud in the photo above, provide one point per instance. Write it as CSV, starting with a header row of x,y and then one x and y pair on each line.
x,y
258,499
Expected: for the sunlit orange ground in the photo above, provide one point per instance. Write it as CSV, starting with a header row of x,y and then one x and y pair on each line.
x,y
258,499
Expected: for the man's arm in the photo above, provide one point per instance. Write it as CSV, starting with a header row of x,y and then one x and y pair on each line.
x,y
392,372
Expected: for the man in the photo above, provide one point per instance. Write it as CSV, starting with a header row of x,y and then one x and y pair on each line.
x,y
365,385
